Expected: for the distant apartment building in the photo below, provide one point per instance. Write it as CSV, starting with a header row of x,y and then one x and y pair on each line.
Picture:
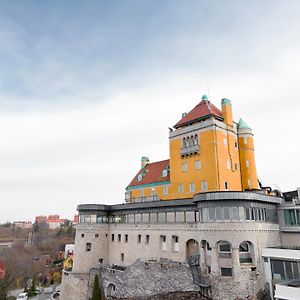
x,y
53,221
23,224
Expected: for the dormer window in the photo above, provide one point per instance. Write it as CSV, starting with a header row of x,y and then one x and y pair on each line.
x,y
140,177
165,173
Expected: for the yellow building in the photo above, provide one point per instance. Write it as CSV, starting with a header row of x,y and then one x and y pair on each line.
x,y
208,152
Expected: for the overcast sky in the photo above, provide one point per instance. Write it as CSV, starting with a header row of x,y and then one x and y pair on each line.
x,y
88,87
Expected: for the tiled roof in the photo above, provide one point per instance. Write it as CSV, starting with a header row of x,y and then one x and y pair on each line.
x,y
152,173
203,110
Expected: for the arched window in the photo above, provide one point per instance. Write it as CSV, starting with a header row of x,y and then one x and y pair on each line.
x,y
183,143
188,142
245,252
196,139
192,140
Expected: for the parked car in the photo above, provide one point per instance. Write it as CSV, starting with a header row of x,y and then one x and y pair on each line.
x,y
22,296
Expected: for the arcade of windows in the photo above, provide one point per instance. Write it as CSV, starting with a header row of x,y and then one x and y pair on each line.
x,y
190,141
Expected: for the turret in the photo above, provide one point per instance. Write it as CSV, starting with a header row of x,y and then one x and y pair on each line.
x,y
227,112
247,156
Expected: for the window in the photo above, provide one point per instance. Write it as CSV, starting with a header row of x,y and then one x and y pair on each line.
x,y
165,190
112,237
196,140
184,167
119,237
126,238
163,240
153,192
82,235
204,186
96,235
88,246
244,247
165,173
225,141
228,164
236,166
141,192
192,187
224,250
226,185
147,239
247,163
145,218
139,238
122,256
226,213
245,141
235,144
285,270
100,261
140,177
226,272
234,213
249,182
218,213
224,247
180,188
290,217
175,243
211,213
198,164
161,217
245,253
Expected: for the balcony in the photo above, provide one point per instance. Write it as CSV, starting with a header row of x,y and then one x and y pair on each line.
x,y
186,151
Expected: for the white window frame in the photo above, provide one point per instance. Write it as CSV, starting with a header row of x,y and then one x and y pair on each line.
x,y
204,186
192,187
180,188
184,167
198,164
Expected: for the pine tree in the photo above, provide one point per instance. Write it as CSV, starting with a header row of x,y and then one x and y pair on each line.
x,y
96,289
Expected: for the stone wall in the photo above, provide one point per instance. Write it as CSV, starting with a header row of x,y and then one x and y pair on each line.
x,y
74,286
145,279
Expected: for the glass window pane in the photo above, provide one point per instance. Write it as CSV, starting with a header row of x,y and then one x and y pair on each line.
x,y
190,216
277,269
234,213
218,213
145,218
153,217
161,217
224,247
170,217
131,218
205,213
247,210
211,212
138,218
226,213
180,216
288,270
241,213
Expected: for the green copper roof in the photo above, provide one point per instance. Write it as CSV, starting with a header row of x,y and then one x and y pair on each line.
x,y
226,101
204,97
242,124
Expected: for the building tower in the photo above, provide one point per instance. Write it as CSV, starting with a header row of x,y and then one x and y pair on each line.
x,y
247,157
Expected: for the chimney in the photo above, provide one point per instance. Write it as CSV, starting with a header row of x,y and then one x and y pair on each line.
x,y
144,162
227,112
